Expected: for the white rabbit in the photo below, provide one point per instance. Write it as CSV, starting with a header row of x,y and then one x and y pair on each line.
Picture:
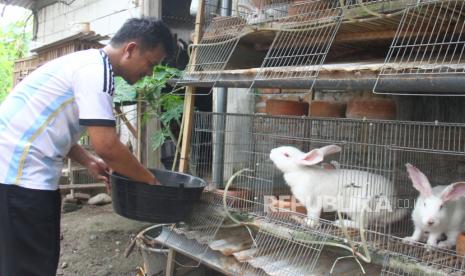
x,y
348,191
439,210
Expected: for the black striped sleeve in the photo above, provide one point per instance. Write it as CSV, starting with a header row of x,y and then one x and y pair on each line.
x,y
97,122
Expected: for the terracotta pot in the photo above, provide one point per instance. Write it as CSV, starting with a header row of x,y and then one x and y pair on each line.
x,y
371,108
327,109
260,3
302,10
460,246
217,28
286,107
302,7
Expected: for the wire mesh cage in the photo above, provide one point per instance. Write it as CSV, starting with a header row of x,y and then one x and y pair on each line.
x,y
303,39
429,43
283,248
367,189
220,34
203,223
296,36
415,259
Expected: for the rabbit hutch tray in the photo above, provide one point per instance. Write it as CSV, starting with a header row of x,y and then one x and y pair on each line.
x,y
336,77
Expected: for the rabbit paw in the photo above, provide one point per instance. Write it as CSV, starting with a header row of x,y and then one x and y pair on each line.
x,y
312,223
430,247
446,244
347,223
409,240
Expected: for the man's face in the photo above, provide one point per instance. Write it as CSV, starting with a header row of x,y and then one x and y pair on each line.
x,y
137,63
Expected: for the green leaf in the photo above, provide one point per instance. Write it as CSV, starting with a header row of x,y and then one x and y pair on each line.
x,y
159,138
173,113
124,92
166,107
14,44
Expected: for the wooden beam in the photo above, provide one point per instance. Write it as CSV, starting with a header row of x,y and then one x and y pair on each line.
x,y
189,99
126,121
170,263
81,186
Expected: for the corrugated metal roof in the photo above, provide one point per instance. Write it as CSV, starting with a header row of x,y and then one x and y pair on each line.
x,y
28,4
82,36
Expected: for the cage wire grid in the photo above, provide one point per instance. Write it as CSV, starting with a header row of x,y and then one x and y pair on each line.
x,y
203,224
416,259
220,36
379,148
304,39
303,34
430,41
305,31
283,248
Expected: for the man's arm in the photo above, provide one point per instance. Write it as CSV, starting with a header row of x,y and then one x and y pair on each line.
x,y
117,156
96,166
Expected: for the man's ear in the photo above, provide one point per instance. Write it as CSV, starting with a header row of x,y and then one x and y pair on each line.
x,y
129,49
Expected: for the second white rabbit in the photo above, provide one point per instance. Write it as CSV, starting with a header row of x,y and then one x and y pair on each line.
x,y
439,210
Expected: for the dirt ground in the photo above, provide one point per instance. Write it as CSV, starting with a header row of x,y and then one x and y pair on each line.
x,y
94,240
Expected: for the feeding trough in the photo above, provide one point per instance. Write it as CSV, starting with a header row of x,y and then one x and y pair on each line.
x,y
170,202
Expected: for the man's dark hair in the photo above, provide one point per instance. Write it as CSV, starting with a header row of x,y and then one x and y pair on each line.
x,y
148,32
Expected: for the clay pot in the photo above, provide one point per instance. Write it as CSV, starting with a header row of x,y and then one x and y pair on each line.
x,y
460,245
286,107
371,108
217,29
302,10
327,109
260,3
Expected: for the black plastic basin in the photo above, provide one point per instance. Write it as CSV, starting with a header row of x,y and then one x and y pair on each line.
x,y
170,202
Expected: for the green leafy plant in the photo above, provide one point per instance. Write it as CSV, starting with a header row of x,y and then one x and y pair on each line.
x,y
124,92
167,107
14,44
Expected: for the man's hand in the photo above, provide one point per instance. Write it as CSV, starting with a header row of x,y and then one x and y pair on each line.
x,y
100,170
154,181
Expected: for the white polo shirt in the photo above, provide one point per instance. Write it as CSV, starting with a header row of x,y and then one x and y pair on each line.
x,y
46,113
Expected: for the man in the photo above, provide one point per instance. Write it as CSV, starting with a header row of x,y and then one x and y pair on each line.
x,y
40,123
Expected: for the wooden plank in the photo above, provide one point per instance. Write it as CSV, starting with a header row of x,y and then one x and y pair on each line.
x,y
170,264
139,130
81,186
125,120
189,99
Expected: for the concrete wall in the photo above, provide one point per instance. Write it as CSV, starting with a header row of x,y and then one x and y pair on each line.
x,y
57,21
105,17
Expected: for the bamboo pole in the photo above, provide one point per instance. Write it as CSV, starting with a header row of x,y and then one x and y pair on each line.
x,y
189,99
126,121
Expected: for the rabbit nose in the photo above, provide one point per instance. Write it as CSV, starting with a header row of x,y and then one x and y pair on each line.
x,y
430,222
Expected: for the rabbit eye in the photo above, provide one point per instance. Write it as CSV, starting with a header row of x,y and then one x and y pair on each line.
x,y
440,207
286,154
424,204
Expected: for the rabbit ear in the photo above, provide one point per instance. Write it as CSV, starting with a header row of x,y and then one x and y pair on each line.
x,y
312,158
453,191
331,149
419,180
